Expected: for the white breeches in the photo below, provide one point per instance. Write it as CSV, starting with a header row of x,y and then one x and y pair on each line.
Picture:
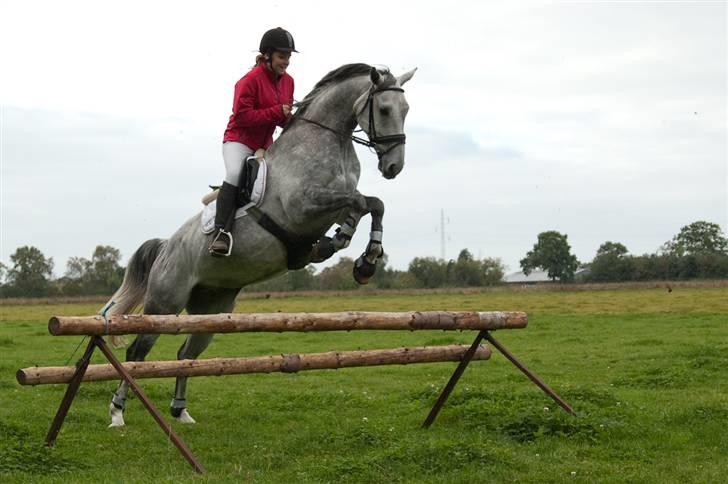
x,y
234,154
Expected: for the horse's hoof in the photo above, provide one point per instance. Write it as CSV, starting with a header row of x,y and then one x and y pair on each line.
x,y
185,418
117,416
363,270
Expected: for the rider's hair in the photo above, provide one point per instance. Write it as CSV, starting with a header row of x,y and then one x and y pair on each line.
x,y
263,57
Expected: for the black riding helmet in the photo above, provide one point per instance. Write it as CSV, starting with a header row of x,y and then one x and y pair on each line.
x,y
277,39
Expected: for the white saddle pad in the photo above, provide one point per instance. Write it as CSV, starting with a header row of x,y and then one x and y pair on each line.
x,y
207,218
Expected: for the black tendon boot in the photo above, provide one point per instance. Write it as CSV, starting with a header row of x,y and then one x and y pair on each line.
x,y
222,242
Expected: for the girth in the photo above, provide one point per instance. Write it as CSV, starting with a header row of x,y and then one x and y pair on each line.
x,y
298,248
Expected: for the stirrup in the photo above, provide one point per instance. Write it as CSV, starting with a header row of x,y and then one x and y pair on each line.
x,y
215,239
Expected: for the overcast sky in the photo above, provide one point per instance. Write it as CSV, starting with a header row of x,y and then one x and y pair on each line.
x,y
601,120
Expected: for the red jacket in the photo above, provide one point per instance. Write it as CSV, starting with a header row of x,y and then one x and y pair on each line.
x,y
257,107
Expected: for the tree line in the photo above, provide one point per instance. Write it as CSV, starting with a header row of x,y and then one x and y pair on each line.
x,y
31,274
699,250
423,272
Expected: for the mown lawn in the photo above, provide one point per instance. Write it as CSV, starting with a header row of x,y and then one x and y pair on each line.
x,y
646,370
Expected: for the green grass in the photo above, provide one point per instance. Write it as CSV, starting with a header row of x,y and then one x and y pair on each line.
x,y
644,368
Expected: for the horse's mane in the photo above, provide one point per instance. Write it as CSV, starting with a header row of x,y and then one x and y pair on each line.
x,y
347,71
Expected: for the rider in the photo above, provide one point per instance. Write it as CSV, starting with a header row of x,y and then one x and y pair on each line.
x,y
262,101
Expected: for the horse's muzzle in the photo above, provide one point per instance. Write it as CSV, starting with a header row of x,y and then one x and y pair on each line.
x,y
390,170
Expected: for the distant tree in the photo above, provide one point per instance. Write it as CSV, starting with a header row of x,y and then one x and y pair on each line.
x,y
339,276
30,274
712,266
302,279
105,270
385,277
551,253
429,272
615,249
492,270
698,237
78,268
3,272
403,280
467,272
611,263
100,275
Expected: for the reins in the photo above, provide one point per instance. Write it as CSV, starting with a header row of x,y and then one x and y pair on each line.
x,y
374,141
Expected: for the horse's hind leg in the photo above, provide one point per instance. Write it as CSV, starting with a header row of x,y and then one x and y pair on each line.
x,y
193,346
202,301
138,351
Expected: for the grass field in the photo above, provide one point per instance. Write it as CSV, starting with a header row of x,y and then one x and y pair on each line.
x,y
646,370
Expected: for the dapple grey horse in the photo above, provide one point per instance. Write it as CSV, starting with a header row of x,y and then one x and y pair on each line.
x,y
313,172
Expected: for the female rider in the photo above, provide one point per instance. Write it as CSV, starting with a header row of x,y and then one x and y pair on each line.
x,y
262,101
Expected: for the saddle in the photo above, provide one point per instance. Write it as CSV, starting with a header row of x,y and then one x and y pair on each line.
x,y
248,178
252,190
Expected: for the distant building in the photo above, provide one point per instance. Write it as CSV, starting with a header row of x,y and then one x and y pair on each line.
x,y
532,278
537,276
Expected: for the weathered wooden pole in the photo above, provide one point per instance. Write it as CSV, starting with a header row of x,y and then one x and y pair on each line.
x,y
257,364
279,322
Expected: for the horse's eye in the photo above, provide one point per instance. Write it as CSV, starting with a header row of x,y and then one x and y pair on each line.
x,y
385,111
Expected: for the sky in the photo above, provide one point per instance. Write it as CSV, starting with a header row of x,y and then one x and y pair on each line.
x,y
605,121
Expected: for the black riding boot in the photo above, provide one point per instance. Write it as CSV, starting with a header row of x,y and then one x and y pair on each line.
x,y
222,242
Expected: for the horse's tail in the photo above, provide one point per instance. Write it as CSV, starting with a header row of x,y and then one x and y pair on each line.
x,y
132,290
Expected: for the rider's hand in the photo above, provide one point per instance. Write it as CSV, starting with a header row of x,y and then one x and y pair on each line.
x,y
286,110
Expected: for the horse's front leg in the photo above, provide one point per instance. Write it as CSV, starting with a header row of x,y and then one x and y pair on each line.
x,y
366,264
327,246
324,200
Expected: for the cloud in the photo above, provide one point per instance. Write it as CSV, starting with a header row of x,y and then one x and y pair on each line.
x,y
606,121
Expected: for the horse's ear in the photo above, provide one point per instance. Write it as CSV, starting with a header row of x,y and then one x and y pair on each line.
x,y
375,75
406,76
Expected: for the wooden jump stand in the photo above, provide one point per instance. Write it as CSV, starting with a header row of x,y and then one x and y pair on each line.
x,y
96,326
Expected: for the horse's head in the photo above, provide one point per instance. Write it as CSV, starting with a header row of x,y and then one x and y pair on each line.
x,y
380,111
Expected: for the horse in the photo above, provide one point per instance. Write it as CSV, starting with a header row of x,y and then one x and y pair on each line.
x,y
313,173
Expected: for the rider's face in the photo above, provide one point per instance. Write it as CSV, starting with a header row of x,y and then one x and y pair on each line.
x,y
279,62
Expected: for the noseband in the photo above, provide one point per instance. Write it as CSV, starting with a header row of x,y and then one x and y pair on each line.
x,y
374,141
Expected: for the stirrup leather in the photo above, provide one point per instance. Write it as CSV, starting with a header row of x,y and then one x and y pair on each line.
x,y
215,239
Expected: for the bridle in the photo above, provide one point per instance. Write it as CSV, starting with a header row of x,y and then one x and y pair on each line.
x,y
374,141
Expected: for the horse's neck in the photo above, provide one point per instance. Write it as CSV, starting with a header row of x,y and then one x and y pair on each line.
x,y
316,165
335,107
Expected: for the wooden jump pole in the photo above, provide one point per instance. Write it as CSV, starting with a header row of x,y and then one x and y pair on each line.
x,y
257,364
280,322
